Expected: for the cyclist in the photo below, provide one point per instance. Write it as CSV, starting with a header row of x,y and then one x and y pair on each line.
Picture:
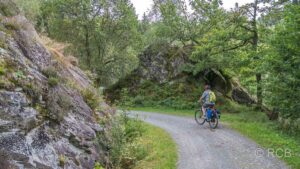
x,y
208,99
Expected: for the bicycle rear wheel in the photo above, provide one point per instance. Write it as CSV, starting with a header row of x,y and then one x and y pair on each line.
x,y
213,123
199,117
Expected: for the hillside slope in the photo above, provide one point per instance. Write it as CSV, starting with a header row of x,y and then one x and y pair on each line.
x,y
47,117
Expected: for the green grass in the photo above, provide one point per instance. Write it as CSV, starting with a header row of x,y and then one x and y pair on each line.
x,y
254,125
267,134
162,151
165,110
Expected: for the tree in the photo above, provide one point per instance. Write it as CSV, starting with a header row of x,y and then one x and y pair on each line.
x,y
283,62
104,34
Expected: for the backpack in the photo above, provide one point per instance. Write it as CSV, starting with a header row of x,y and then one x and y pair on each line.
x,y
212,97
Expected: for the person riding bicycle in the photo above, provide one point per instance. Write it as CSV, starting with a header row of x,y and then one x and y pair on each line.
x,y
208,99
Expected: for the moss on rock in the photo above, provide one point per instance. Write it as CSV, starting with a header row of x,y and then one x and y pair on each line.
x,y
8,8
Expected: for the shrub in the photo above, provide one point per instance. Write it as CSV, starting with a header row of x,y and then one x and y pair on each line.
x,y
53,81
124,151
19,75
62,161
91,98
52,75
50,72
126,101
2,70
138,100
58,105
98,166
12,26
33,91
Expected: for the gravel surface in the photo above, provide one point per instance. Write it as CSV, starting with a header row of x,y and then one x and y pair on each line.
x,y
199,147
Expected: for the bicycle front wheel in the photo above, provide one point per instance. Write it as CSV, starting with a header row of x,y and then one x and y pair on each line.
x,y
199,117
213,123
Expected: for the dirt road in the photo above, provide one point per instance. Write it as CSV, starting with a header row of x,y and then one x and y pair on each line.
x,y
199,147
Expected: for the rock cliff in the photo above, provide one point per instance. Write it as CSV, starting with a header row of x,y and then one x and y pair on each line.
x,y
165,67
46,121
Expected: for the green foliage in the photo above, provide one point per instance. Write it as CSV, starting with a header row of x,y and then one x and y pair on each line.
x,y
283,64
124,151
8,8
50,72
98,166
58,105
177,95
105,42
62,161
53,81
2,70
12,26
126,101
31,9
52,75
91,97
33,91
161,149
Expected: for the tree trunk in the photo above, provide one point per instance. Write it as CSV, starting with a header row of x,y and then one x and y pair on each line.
x,y
254,45
87,47
259,91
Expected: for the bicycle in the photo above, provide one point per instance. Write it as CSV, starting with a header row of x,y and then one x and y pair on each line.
x,y
201,119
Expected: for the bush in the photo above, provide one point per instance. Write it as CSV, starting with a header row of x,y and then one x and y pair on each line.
x,y
50,72
12,26
98,166
52,75
139,100
58,105
121,142
33,91
2,70
148,94
91,98
53,81
62,160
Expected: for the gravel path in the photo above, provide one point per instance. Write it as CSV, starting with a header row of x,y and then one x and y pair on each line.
x,y
199,147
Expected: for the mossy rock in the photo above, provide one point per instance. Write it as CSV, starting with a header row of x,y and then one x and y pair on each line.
x,y
8,8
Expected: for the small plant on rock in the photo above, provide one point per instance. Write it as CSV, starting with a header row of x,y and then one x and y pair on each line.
x,y
2,70
52,75
50,72
62,159
91,98
52,81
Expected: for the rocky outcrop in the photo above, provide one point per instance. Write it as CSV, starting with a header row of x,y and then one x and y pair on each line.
x,y
45,122
161,65
167,66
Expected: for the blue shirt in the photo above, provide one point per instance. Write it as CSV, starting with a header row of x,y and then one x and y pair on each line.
x,y
205,96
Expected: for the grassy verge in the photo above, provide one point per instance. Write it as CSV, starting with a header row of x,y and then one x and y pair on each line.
x,y
165,110
162,152
255,126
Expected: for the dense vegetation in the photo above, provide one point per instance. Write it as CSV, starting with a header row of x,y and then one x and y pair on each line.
x,y
258,42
